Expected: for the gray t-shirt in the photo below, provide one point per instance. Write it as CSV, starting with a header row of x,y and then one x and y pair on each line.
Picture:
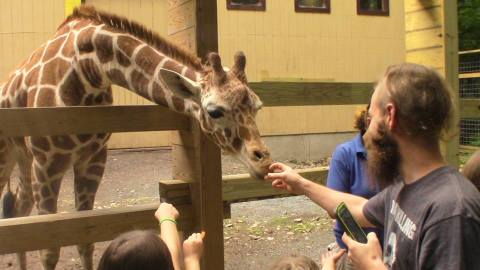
x,y
433,223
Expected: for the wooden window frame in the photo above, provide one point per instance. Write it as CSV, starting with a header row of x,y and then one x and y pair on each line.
x,y
261,7
385,12
298,8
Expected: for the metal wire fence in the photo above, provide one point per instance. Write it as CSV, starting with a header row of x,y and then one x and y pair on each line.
x,y
469,62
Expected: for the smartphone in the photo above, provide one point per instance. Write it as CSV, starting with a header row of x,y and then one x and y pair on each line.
x,y
349,224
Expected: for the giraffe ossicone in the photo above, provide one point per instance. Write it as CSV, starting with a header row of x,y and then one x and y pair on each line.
x,y
91,51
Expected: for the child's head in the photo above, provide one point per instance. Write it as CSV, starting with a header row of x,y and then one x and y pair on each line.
x,y
295,263
471,170
136,250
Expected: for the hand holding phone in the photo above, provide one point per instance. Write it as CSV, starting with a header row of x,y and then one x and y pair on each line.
x,y
349,224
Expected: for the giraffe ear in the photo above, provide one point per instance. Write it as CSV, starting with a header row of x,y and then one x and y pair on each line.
x,y
181,85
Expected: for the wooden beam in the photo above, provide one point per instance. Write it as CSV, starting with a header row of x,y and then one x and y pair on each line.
x,y
312,93
469,75
238,187
89,119
57,230
469,108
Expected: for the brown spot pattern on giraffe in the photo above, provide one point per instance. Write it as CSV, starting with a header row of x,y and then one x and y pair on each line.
x,y
69,48
55,185
84,40
104,48
59,163
54,71
148,59
139,83
32,77
228,132
53,48
158,94
84,137
122,59
21,99
46,98
117,77
63,30
72,90
63,142
41,143
178,104
237,144
244,133
173,66
127,44
39,156
86,184
49,205
36,56
88,100
91,72
16,83
45,191
95,170
99,98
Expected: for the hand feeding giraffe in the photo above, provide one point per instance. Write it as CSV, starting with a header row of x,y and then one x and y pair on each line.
x,y
91,51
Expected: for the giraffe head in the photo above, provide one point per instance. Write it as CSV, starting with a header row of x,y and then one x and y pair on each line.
x,y
226,108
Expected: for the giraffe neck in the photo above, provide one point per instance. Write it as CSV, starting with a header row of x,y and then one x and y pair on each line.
x,y
135,65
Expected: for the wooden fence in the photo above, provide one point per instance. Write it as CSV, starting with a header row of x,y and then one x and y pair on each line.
x,y
188,191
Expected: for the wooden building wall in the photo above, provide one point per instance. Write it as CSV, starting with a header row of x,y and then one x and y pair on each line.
x,y
432,40
283,45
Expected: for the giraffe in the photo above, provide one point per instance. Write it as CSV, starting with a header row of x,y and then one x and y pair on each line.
x,y
91,51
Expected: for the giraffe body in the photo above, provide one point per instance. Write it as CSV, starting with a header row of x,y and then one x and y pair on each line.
x,y
90,52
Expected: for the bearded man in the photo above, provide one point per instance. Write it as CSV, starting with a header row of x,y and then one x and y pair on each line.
x,y
429,212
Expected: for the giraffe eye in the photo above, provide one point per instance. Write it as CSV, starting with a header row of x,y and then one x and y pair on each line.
x,y
215,111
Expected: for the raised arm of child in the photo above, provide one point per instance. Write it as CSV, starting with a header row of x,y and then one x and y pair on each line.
x,y
330,259
167,216
192,251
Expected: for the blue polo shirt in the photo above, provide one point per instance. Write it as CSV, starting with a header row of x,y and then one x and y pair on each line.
x,y
348,173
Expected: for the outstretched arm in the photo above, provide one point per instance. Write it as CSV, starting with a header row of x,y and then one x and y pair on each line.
x,y
167,215
284,177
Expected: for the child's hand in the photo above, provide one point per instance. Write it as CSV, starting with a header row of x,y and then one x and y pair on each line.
x,y
330,259
166,210
193,247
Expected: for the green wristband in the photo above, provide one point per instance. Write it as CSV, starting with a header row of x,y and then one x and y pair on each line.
x,y
168,219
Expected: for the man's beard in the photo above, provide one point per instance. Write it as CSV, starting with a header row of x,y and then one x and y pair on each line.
x,y
383,157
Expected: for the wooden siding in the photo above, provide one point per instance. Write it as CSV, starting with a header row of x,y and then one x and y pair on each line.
x,y
431,39
283,45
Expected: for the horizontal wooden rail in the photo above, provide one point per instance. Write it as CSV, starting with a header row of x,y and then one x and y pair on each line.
x,y
237,188
89,119
312,93
57,230
469,75
242,187
469,108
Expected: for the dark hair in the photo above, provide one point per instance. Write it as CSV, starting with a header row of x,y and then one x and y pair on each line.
x,y
295,262
361,120
422,99
136,250
471,170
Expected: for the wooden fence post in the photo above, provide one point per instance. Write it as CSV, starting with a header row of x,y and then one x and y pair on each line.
x,y
196,159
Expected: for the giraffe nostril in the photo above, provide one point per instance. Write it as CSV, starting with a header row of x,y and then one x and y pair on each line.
x,y
258,155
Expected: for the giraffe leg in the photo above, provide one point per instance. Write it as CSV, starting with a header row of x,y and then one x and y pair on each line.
x,y
47,177
88,175
24,195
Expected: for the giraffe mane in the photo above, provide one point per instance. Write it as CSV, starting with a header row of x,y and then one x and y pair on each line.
x,y
137,30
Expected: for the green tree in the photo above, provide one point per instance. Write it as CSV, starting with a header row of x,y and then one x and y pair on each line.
x,y
469,24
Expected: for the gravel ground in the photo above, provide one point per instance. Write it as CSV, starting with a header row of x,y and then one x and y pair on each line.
x,y
258,233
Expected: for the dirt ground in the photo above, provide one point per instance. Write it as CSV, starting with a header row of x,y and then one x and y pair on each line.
x,y
258,233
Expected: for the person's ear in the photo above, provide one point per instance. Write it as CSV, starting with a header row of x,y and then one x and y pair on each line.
x,y
391,116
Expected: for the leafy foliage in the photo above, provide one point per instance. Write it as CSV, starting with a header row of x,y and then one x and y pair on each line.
x,y
469,24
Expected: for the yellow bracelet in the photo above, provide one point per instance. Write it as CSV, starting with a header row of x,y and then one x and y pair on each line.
x,y
168,219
